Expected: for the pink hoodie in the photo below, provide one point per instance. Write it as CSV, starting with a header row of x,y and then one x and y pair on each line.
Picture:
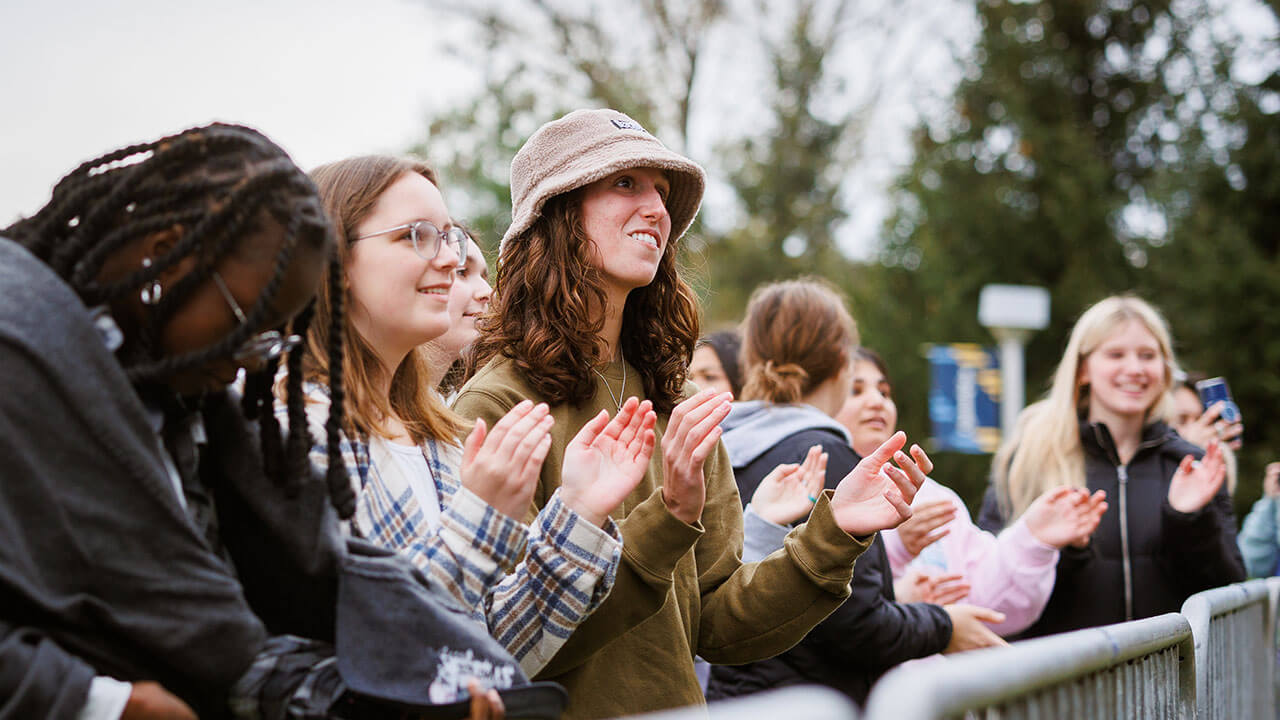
x,y
1012,573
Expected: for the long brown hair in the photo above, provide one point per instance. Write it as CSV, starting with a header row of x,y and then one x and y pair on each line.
x,y
350,189
541,315
796,336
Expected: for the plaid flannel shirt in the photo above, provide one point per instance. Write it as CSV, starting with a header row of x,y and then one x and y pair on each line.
x,y
530,586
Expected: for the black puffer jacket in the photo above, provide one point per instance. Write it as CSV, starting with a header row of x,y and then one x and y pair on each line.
x,y
1145,558
864,637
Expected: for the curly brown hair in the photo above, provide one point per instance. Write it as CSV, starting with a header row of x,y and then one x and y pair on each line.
x,y
541,315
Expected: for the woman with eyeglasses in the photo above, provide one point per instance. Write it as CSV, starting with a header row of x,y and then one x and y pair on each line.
x,y
591,316
164,549
455,509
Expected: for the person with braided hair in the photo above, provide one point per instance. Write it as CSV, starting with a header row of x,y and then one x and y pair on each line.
x,y
455,509
159,555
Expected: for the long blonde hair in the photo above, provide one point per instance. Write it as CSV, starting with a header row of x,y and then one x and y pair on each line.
x,y
1044,451
349,189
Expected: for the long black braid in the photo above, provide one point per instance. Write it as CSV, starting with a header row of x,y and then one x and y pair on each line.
x,y
338,480
216,184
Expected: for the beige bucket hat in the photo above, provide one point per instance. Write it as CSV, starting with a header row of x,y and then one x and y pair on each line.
x,y
585,146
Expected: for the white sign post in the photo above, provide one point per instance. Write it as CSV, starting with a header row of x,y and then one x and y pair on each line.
x,y
1012,313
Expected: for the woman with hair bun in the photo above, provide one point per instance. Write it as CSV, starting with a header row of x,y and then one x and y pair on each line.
x,y
798,349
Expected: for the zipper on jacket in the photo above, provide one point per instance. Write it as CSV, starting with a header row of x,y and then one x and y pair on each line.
x,y
1122,473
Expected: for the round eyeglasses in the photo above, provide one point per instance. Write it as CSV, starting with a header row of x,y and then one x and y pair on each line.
x,y
427,239
262,348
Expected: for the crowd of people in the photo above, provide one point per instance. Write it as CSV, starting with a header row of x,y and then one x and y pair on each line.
x,y
279,447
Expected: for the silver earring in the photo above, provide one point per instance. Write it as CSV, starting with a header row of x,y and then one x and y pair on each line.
x,y
150,294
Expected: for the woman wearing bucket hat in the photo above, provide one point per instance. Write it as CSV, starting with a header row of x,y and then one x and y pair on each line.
x,y
591,316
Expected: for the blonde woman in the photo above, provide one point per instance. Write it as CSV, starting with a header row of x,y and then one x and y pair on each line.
x,y
1169,531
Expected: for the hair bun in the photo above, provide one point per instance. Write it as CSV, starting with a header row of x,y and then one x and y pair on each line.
x,y
779,382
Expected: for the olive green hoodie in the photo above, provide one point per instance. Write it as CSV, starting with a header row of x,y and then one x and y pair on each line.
x,y
682,590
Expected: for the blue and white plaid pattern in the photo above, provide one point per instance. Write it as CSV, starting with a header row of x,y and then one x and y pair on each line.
x,y
532,605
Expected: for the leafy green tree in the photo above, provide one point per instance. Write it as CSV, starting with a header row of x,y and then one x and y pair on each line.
x,y
1074,123
1218,276
783,167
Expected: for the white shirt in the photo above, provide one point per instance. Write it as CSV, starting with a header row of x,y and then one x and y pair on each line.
x,y
413,466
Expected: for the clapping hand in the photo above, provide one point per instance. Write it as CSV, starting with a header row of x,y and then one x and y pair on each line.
x,y
788,492
1194,484
502,465
691,436
1066,516
939,589
607,459
876,495
926,526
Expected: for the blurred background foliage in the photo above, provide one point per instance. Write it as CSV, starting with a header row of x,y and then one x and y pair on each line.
x,y
1087,146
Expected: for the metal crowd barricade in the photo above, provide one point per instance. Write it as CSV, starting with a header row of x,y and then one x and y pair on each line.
x,y
1140,669
1235,646
1273,588
811,702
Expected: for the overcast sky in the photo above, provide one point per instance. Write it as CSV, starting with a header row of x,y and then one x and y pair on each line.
x,y
83,77
324,78
327,79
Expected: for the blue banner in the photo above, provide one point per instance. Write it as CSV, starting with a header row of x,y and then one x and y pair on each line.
x,y
964,397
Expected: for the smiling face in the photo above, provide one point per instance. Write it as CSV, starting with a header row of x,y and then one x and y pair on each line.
x,y
869,413
468,299
1125,374
625,217
399,300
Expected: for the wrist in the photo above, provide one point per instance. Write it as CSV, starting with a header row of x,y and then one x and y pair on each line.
x,y
684,512
579,505
777,516
1183,506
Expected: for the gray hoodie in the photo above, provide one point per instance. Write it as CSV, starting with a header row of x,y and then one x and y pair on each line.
x,y
754,426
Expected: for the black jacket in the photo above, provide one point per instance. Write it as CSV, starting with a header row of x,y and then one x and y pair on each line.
x,y
864,637
1169,555
102,571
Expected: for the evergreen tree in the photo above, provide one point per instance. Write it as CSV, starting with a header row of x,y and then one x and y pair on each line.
x,y
1066,135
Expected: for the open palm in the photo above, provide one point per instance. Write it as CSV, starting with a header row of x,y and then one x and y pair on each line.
x,y
1195,484
789,491
607,459
876,495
